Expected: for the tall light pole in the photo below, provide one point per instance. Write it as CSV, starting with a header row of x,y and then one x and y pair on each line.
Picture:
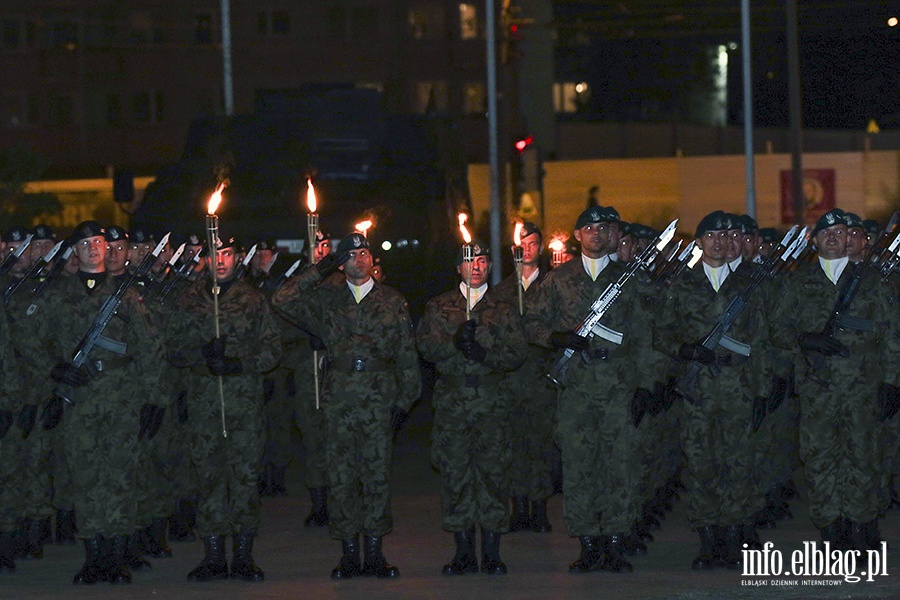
x,y
227,81
748,108
493,145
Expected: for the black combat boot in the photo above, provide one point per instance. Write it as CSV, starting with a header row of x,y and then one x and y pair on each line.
x,y
490,553
32,548
277,486
94,568
133,557
65,527
751,537
374,563
262,482
183,521
591,558
154,539
734,539
642,532
519,520
117,568
615,560
873,535
465,560
318,514
7,562
242,564
708,542
834,534
349,565
213,565
539,521
46,531
633,545
858,538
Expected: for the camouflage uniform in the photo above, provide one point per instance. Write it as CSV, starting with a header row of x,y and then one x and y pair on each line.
x,y
471,420
101,428
373,366
226,466
594,429
10,500
840,435
716,427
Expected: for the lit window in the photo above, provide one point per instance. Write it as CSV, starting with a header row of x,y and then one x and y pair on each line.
x,y
425,21
474,98
468,21
431,96
569,97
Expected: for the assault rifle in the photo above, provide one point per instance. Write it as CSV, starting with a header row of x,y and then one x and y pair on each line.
x,y
155,281
10,259
591,325
182,273
33,272
242,266
718,335
48,275
94,337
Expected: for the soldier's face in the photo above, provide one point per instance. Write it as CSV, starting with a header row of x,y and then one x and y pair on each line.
x,y
715,247
765,249
24,262
856,242
226,260
750,242
323,249
260,259
594,239
359,267
91,253
378,273
615,235
137,252
116,256
626,248
190,252
531,248
475,271
40,248
831,242
735,244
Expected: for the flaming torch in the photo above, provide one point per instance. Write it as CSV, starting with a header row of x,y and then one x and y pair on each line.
x,y
212,237
312,227
557,247
519,259
468,257
364,226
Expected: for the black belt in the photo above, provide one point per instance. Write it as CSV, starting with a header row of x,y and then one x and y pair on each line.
x,y
731,360
473,381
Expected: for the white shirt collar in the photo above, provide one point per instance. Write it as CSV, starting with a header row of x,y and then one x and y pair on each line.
x,y
361,291
733,265
527,281
594,266
475,294
833,268
716,275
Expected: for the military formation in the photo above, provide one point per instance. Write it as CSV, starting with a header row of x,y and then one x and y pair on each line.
x,y
153,385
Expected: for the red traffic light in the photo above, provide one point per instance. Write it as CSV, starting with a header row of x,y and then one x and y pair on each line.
x,y
524,143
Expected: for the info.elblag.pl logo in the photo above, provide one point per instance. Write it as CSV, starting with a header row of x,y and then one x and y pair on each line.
x,y
814,562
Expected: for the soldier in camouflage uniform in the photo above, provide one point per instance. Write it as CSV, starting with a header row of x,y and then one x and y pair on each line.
x,y
594,429
531,400
103,418
372,380
718,410
847,383
226,434
9,476
471,421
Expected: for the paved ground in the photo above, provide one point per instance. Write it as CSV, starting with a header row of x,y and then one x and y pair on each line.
x,y
297,561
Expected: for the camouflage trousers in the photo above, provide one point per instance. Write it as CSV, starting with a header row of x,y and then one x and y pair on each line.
x,y
532,425
162,463
311,422
842,452
597,440
358,448
10,501
36,485
720,472
277,408
100,443
226,467
471,452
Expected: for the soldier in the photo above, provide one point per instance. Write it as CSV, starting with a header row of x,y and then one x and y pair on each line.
x,y
594,423
749,239
226,427
102,422
9,489
471,435
627,242
768,239
847,382
141,243
373,379
531,401
857,243
117,250
615,234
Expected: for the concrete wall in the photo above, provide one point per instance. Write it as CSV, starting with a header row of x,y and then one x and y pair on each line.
x,y
656,190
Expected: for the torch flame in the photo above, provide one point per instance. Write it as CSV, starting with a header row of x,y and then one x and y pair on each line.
x,y
557,245
214,200
310,196
463,217
363,226
517,234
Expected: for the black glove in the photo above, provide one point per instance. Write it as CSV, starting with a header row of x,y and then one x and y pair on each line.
x,y
640,403
658,403
670,393
330,262
398,418
473,351
316,343
569,339
6,421
821,343
26,419
778,392
226,365
465,333
52,414
759,412
888,401
181,408
697,353
151,420
69,374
